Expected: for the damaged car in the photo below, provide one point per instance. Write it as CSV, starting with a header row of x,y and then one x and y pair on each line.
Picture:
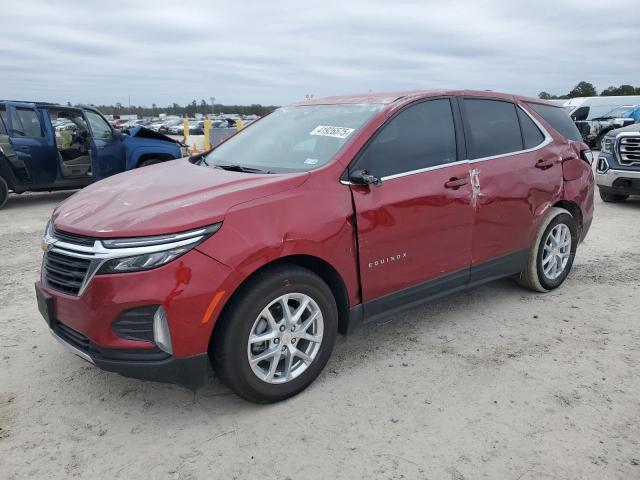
x,y
46,147
594,130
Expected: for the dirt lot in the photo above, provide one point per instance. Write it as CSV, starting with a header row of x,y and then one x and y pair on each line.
x,y
498,383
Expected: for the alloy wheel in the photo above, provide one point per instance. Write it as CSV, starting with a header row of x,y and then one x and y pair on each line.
x,y
285,338
556,251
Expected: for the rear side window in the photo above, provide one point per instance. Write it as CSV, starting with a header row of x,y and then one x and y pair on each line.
x,y
25,123
494,127
531,134
421,136
559,119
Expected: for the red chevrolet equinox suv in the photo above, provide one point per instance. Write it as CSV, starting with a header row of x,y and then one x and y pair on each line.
x,y
320,216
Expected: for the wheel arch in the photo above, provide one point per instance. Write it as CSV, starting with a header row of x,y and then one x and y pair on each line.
x,y
163,157
317,265
574,209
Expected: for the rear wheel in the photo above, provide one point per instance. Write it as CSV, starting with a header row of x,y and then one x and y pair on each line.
x,y
612,197
276,335
551,256
4,192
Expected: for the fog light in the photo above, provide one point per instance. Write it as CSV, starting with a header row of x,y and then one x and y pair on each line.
x,y
161,334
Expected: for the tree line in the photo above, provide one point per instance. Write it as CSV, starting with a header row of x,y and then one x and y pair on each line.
x,y
586,89
188,110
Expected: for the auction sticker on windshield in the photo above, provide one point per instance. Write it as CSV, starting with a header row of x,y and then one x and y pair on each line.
x,y
327,131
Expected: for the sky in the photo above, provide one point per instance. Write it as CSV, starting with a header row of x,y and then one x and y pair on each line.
x,y
276,52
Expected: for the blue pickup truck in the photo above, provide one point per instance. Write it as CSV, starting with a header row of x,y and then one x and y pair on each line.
x,y
46,147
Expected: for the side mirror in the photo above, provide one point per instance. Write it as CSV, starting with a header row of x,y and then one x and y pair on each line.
x,y
362,177
117,133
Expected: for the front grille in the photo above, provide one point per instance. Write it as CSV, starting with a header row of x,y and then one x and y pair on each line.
x,y
629,150
65,273
74,238
72,337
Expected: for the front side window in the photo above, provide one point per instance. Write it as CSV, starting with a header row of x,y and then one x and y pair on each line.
x,y
558,119
421,136
25,123
292,139
99,127
493,127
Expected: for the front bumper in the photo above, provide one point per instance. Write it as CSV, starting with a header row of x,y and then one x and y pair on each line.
x,y
185,288
623,182
152,365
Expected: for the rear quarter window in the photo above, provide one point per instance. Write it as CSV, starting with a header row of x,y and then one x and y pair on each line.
x,y
559,119
531,134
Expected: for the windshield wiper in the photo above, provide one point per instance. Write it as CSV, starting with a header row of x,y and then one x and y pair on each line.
x,y
240,168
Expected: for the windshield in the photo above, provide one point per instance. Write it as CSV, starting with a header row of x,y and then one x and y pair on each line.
x,y
618,112
293,139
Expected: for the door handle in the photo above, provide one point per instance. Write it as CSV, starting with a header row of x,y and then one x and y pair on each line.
x,y
544,164
23,148
455,183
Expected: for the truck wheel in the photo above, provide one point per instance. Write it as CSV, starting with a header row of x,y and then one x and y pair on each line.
x,y
552,253
276,335
4,192
149,161
612,197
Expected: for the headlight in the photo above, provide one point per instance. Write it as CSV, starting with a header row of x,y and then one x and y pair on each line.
x,y
607,145
124,255
142,262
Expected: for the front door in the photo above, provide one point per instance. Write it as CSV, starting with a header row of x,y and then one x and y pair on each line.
x,y
32,140
516,176
415,228
107,151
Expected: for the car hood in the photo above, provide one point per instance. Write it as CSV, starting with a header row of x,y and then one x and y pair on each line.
x,y
165,198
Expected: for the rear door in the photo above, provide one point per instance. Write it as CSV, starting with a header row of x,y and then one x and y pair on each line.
x,y
415,228
515,178
32,140
107,151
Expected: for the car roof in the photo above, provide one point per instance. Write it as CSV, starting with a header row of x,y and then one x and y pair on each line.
x,y
401,97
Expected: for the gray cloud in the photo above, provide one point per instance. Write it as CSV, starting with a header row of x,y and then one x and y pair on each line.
x,y
277,51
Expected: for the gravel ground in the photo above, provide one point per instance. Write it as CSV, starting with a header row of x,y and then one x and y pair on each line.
x,y
496,383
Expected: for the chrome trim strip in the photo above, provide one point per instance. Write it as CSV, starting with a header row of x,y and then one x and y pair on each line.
x,y
73,349
422,170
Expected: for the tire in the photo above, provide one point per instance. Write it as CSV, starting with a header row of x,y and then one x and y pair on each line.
x,y
612,197
149,161
230,350
4,192
535,276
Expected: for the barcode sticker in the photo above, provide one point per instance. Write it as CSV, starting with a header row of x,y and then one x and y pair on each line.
x,y
327,131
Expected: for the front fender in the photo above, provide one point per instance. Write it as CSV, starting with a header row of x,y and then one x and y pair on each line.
x,y
137,148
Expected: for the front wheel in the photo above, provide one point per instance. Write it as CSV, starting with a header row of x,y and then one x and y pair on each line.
x,y
551,256
276,335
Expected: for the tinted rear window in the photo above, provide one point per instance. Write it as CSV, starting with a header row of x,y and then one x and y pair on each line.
x,y
530,132
558,118
494,127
